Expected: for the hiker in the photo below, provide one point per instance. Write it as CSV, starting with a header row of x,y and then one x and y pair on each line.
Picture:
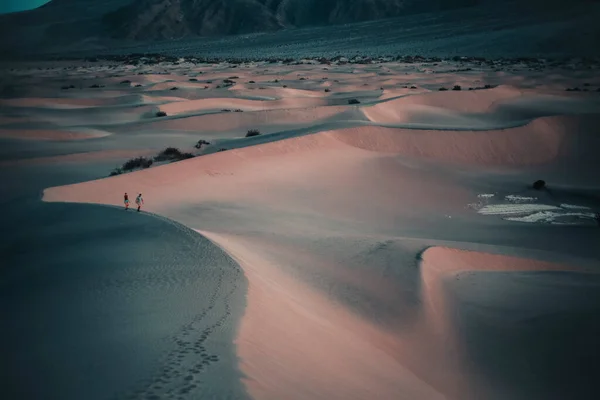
x,y
139,201
126,201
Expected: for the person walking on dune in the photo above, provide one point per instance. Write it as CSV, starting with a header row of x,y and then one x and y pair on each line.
x,y
139,201
126,201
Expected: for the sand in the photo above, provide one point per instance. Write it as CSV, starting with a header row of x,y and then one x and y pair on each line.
x,y
355,225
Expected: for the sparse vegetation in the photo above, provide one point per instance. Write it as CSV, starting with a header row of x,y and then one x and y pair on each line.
x,y
353,101
251,82
539,185
172,154
138,85
138,162
174,88
456,87
226,110
442,89
125,82
201,143
252,132
116,171
228,81
161,114
193,80
239,110
96,86
327,90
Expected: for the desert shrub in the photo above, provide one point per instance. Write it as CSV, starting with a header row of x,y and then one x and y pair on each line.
x,y
95,86
193,80
442,89
284,86
226,110
234,77
252,132
327,90
201,143
488,86
413,87
251,82
172,153
239,110
174,88
138,162
222,149
456,87
138,85
539,185
161,114
126,81
228,81
116,171
353,101
302,79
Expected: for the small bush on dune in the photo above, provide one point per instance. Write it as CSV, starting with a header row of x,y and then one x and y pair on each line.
x,y
126,81
172,153
539,185
327,90
251,82
353,101
116,171
201,143
252,132
138,85
174,88
161,114
228,81
193,80
442,89
138,162
456,87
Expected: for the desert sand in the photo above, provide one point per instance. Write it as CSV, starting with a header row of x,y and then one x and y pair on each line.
x,y
392,246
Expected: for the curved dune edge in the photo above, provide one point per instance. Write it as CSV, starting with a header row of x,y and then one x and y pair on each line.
x,y
50,135
79,157
538,142
236,120
440,263
327,351
214,103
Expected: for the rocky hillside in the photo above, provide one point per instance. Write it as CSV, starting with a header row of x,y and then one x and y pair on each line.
x,y
157,19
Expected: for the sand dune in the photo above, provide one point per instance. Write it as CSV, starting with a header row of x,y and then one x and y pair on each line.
x,y
370,272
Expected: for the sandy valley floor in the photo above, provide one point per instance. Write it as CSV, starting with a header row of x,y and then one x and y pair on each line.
x,y
392,248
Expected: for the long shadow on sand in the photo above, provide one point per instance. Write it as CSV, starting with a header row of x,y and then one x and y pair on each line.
x,y
102,303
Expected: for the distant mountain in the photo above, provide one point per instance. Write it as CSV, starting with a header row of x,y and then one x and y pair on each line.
x,y
157,19
95,24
